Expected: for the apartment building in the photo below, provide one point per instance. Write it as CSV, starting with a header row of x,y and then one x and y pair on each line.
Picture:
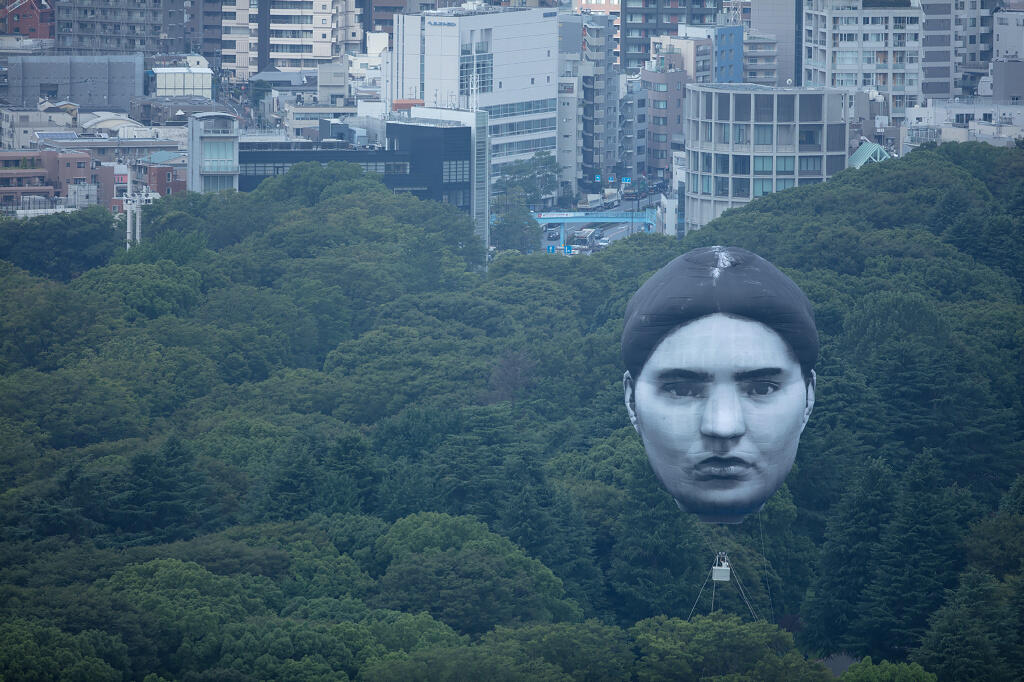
x,y
496,59
901,48
666,97
588,102
784,20
972,42
203,29
1008,33
611,8
760,58
744,141
632,129
645,19
287,35
46,175
91,27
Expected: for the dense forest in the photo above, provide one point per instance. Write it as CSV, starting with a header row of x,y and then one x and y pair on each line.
x,y
304,434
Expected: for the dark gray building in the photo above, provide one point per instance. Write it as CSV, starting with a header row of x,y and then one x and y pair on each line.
x,y
658,18
106,82
85,27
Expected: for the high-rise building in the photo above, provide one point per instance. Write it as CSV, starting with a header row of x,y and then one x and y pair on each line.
x,y
744,141
782,19
588,102
892,46
645,19
632,129
610,7
203,29
972,42
666,95
497,59
87,27
288,35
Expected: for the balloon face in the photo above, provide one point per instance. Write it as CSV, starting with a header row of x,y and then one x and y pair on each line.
x,y
720,405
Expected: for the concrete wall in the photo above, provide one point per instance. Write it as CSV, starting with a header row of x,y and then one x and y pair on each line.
x,y
108,82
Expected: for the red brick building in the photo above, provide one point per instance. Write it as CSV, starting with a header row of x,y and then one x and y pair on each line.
x,y
28,18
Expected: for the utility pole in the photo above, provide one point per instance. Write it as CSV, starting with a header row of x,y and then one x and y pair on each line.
x,y
133,203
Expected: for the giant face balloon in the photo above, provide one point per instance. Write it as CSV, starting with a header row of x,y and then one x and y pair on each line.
x,y
719,347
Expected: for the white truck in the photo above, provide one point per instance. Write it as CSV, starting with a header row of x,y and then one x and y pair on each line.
x,y
612,198
591,202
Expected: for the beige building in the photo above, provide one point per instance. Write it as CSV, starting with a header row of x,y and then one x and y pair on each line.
x,y
290,35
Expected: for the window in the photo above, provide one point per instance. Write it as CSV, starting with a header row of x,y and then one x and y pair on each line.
x,y
705,184
764,107
784,165
659,103
810,163
762,165
784,183
762,134
741,134
659,120
722,133
740,164
741,187
705,162
476,71
741,108
721,186
722,163
762,186
455,171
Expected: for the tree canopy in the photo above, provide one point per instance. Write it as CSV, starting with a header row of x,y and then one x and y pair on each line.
x,y
304,433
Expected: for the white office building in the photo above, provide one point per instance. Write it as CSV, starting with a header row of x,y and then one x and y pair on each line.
x,y
744,141
497,59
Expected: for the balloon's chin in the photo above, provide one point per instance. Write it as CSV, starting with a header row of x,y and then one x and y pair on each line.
x,y
723,515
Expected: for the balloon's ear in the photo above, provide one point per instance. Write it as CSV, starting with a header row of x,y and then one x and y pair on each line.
x,y
630,395
809,402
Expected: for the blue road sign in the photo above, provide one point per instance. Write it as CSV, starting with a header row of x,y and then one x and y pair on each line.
x,y
568,250
551,249
611,178
597,178
627,180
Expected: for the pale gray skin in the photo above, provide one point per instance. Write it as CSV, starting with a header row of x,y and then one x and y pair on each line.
x,y
720,405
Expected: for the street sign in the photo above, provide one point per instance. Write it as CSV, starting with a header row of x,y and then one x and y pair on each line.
x,y
627,180
551,249
568,250
611,178
597,178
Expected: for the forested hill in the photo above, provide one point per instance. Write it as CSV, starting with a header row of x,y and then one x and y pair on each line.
x,y
300,434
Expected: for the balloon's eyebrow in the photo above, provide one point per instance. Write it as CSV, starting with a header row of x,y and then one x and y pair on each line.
x,y
754,374
683,375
